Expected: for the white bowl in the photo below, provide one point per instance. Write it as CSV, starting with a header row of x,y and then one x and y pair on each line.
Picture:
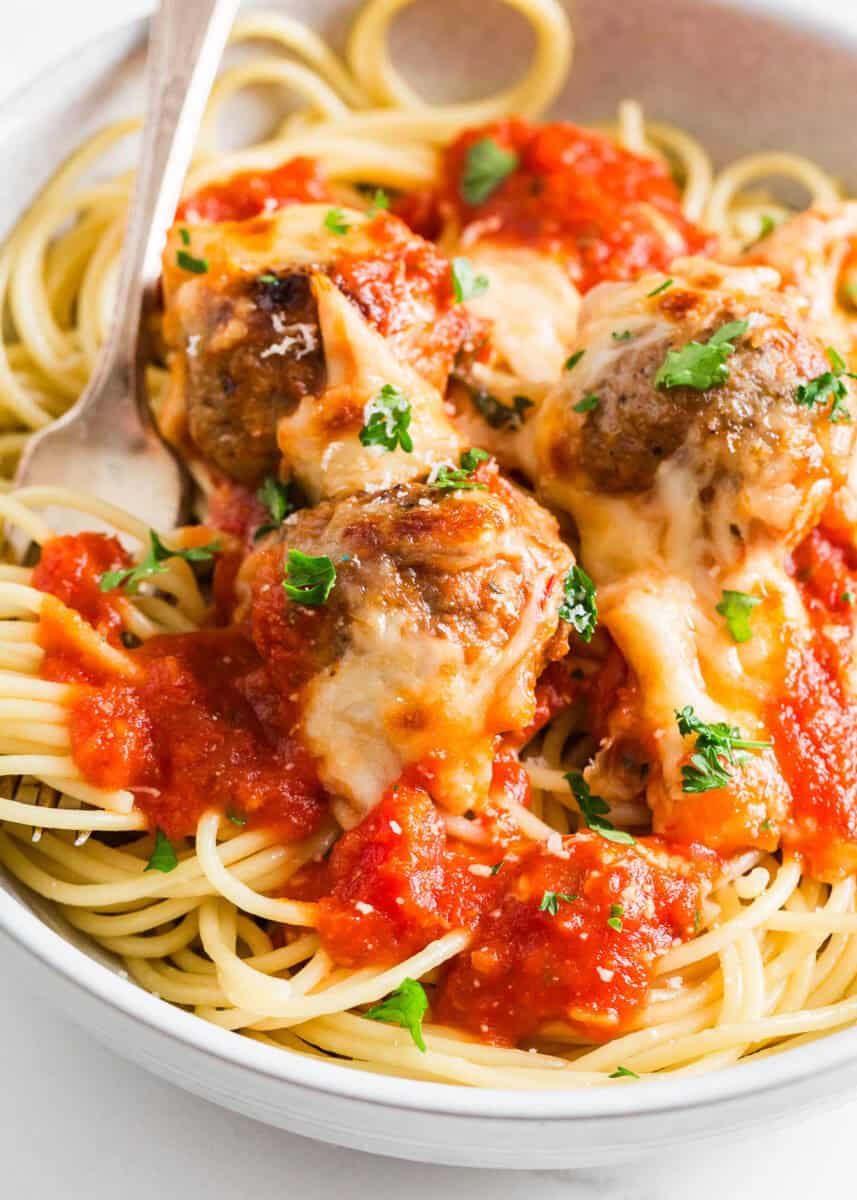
x,y
727,72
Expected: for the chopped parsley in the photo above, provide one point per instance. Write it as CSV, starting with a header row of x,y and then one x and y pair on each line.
x,y
309,580
496,413
624,336
623,1073
460,478
701,365
550,901
594,811
847,598
615,918
380,201
766,825
586,404
274,494
696,920
184,234
466,284
164,857
386,419
129,578
830,385
334,220
578,605
735,608
497,865
268,277
236,818
188,262
662,287
406,1007
486,165
714,751
573,359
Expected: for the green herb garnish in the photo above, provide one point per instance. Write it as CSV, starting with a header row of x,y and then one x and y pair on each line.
x,y
164,857
662,287
496,413
714,751
578,605
309,580
380,201
624,336
466,284
623,1073
701,365
830,385
573,359
187,262
586,404
184,234
334,220
594,811
406,1007
153,564
497,865
460,478
735,608
386,419
486,166
615,918
274,494
550,901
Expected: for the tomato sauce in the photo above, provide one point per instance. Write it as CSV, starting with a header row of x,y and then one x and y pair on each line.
x,y
253,193
203,727
814,726
606,212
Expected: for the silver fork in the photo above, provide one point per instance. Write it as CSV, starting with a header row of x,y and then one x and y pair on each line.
x,y
106,444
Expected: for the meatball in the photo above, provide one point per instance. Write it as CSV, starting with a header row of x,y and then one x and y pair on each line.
x,y
242,323
443,613
725,460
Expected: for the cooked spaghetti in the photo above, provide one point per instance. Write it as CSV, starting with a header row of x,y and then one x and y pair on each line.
x,y
495,724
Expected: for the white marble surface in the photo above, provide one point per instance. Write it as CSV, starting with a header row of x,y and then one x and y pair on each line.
x,y
76,1122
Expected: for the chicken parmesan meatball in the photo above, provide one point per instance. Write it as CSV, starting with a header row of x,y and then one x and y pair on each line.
x,y
441,613
690,421
246,338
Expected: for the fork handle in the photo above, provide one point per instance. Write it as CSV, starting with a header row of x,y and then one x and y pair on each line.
x,y
186,41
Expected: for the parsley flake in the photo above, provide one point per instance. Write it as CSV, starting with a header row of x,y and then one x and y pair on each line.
x,y
460,478
623,1073
830,385
847,598
309,580
497,865
466,284
714,751
496,413
594,811
129,578
624,336
550,901
386,419
164,857
184,234
274,494
701,365
236,817
766,825
486,166
188,262
380,201
406,1007
334,220
586,404
615,918
735,608
578,605
662,287
573,359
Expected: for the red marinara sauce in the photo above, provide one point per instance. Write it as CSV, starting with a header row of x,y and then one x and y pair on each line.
x,y
608,213
201,727
814,725
252,193
397,882
70,568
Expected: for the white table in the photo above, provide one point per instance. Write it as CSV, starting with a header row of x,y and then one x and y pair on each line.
x,y
76,1122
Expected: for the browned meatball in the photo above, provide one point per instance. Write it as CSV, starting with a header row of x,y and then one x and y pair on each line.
x,y
242,323
443,613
